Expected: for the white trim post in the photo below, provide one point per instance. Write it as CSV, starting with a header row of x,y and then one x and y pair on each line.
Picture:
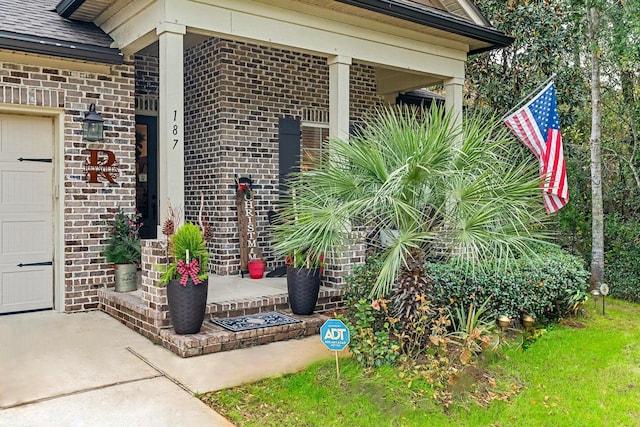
x,y
171,120
453,103
339,96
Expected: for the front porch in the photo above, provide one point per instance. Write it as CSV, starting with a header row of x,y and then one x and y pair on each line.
x,y
228,296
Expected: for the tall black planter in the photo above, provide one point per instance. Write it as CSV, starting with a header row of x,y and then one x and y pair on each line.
x,y
303,285
187,305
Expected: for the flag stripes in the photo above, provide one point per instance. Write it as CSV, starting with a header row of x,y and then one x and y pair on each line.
x,y
537,126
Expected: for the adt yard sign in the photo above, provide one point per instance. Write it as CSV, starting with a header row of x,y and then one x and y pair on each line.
x,y
334,334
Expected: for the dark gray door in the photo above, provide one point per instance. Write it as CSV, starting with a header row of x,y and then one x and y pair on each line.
x,y
289,149
147,174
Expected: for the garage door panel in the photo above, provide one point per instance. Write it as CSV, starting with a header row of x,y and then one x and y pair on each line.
x,y
22,288
25,190
26,213
22,241
26,136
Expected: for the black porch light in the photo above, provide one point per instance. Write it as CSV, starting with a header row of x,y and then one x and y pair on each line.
x,y
93,125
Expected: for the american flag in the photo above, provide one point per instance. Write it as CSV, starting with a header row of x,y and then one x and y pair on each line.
x,y
536,125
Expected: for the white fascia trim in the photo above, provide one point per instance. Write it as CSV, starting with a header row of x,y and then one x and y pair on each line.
x,y
473,13
133,28
310,29
287,28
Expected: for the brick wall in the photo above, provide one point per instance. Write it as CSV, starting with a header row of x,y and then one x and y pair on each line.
x,y
234,94
147,75
87,206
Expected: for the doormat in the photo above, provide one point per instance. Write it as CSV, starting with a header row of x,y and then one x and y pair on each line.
x,y
254,321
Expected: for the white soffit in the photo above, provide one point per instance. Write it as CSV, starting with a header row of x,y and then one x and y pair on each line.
x,y
461,8
90,9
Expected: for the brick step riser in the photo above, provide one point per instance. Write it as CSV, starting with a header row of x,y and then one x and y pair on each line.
x,y
213,338
156,326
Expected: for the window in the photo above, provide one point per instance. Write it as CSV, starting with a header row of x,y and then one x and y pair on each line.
x,y
313,137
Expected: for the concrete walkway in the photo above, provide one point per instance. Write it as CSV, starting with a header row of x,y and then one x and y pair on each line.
x,y
87,369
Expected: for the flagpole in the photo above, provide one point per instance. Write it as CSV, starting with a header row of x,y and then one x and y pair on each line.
x,y
528,97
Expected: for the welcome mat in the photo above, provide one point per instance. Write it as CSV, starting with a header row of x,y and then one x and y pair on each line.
x,y
254,321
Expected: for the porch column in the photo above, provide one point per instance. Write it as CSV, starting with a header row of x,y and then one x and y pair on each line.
x,y
171,120
453,101
339,266
339,96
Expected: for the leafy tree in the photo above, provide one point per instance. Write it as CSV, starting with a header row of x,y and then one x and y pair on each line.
x,y
546,41
597,214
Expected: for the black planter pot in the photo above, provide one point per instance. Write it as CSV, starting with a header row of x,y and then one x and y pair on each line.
x,y
187,305
303,285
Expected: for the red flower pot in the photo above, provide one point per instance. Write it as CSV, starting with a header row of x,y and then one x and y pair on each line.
x,y
256,268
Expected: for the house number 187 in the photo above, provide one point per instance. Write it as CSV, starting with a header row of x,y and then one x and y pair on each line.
x,y
174,129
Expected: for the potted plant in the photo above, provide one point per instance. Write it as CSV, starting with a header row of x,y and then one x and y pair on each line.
x,y
256,268
303,245
123,249
304,271
186,277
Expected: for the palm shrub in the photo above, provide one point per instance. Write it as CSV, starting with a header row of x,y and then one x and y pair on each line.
x,y
467,192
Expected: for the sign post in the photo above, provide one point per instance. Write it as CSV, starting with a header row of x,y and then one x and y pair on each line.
x,y
335,336
248,232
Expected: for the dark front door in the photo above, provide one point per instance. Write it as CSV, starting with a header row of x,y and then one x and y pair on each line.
x,y
147,174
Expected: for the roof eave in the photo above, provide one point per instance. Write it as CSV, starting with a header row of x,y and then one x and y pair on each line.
x,y
65,49
66,8
451,24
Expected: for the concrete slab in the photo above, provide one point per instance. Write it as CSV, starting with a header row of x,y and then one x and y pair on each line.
x,y
217,371
88,369
46,354
157,402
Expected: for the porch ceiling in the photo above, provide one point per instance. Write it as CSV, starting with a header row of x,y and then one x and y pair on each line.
x,y
455,20
411,43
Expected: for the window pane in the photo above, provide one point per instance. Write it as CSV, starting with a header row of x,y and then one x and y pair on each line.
x,y
311,145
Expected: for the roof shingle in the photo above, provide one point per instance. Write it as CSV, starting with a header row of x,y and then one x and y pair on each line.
x,y
39,18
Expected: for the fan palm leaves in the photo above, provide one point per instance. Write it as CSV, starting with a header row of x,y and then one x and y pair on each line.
x,y
467,191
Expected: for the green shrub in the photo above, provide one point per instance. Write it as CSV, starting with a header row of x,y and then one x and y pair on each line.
x,y
622,258
371,344
124,241
371,332
186,246
547,288
361,280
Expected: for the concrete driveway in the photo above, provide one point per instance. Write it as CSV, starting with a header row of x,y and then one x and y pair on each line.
x,y
87,369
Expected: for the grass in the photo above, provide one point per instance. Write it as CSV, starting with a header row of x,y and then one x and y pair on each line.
x,y
571,376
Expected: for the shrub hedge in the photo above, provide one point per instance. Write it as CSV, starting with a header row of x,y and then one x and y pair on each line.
x,y
371,343
548,288
622,258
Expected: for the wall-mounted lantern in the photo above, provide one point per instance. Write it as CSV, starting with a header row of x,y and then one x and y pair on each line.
x,y
93,125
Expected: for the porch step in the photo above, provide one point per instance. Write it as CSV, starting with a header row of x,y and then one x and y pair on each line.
x,y
213,338
136,312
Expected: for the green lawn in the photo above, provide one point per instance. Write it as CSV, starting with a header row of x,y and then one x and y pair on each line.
x,y
587,376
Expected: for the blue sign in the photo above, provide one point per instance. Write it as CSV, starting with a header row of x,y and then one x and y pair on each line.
x,y
334,334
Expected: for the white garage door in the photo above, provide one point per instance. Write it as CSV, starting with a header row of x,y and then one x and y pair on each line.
x,y
26,213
